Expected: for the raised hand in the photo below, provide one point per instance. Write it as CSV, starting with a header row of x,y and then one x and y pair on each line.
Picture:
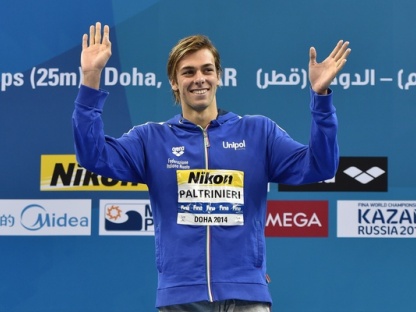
x,y
95,53
322,74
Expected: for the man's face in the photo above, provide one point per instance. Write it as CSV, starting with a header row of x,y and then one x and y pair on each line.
x,y
197,81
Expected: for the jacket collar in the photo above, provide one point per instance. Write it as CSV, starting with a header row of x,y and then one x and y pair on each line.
x,y
222,117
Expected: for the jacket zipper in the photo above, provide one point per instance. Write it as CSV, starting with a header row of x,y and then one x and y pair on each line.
x,y
208,241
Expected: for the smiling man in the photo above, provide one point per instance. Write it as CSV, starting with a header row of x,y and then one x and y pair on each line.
x,y
195,78
207,172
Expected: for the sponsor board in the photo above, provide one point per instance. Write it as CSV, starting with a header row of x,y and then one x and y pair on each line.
x,y
63,173
126,217
290,218
354,174
45,217
376,219
210,197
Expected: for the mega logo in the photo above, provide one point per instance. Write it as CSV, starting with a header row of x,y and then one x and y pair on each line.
x,y
126,217
63,173
297,219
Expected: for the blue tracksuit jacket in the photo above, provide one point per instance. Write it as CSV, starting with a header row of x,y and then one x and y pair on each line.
x,y
208,189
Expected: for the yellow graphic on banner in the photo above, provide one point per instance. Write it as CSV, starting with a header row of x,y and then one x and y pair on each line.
x,y
63,173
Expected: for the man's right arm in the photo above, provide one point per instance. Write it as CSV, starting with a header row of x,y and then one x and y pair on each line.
x,y
97,152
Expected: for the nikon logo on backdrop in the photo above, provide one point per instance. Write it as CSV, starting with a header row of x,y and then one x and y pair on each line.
x,y
63,173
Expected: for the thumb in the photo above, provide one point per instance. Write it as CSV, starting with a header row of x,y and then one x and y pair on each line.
x,y
312,55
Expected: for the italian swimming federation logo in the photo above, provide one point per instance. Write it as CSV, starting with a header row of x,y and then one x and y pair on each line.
x,y
126,217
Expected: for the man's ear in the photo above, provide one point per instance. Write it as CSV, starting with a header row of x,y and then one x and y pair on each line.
x,y
173,85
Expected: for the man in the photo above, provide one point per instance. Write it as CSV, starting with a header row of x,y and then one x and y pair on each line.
x,y
207,172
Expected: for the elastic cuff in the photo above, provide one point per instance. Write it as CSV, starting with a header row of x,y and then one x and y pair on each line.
x,y
91,97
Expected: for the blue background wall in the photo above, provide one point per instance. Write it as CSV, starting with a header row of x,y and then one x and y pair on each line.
x,y
117,273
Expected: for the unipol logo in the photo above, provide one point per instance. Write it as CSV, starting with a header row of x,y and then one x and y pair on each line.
x,y
364,177
178,151
234,145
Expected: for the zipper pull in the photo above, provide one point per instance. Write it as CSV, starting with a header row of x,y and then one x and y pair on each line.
x,y
206,140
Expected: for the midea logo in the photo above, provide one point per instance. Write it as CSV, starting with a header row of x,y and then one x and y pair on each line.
x,y
364,177
35,217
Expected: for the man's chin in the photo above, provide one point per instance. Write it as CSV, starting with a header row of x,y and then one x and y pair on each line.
x,y
199,107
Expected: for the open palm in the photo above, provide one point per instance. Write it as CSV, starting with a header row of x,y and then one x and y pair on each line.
x,y
322,74
95,53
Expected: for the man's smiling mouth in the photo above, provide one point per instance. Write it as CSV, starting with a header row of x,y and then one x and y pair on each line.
x,y
199,91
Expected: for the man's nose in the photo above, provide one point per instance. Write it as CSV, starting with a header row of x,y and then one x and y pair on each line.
x,y
199,79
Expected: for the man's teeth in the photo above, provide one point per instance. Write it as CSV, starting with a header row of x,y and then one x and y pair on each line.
x,y
199,91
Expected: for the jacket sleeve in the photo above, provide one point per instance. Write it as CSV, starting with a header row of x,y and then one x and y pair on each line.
x,y
291,162
98,152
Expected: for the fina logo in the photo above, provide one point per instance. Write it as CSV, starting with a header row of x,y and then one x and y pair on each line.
x,y
35,217
234,145
178,151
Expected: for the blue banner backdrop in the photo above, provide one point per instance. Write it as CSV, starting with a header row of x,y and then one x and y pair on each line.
x,y
85,266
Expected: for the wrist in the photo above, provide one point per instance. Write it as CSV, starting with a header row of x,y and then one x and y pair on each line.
x,y
91,78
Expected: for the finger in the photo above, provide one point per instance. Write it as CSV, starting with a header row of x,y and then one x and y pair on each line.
x,y
343,59
106,38
341,50
92,32
336,49
98,33
312,55
340,65
84,41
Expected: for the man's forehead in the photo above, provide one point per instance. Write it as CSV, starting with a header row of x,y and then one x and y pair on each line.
x,y
200,58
